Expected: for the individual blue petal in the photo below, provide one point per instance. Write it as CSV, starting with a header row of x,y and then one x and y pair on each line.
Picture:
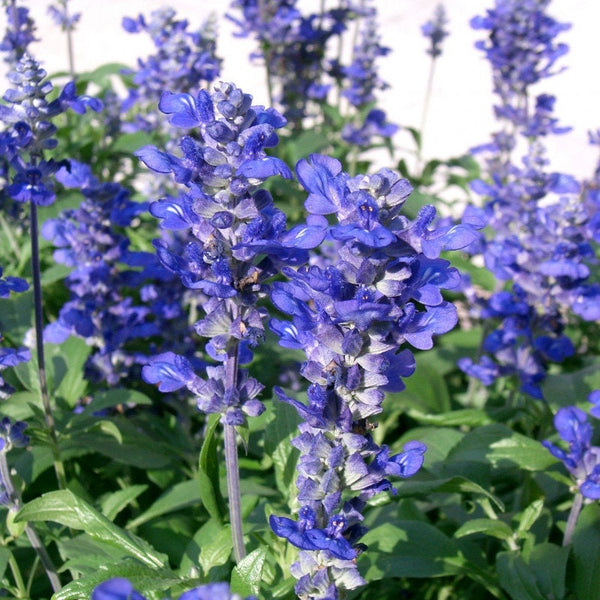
x,y
181,107
307,235
263,168
170,371
162,162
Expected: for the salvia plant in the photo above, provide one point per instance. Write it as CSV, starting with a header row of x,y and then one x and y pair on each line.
x,y
245,357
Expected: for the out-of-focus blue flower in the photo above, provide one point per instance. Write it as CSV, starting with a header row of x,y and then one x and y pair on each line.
x,y
294,47
122,589
20,32
60,15
540,225
435,31
183,60
105,272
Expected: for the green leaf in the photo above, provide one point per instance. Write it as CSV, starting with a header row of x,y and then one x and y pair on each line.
x,y
549,563
497,444
179,496
114,397
516,577
149,581
67,509
247,575
208,472
425,391
464,417
278,434
112,504
215,544
586,552
530,515
492,527
409,549
566,389
68,362
5,555
452,485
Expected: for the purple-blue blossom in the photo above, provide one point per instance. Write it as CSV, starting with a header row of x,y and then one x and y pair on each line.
x,y
237,239
435,31
353,312
581,458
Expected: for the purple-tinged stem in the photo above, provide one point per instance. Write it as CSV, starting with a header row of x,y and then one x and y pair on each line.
x,y
232,466
572,520
32,536
39,339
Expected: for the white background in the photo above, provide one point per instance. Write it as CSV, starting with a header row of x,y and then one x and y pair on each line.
x,y
460,112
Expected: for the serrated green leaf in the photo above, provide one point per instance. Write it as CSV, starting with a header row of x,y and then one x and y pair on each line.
x,y
67,509
247,575
516,577
112,504
208,472
179,496
492,527
586,553
151,582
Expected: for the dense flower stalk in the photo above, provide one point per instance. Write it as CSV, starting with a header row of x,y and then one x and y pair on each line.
x,y
184,61
20,32
528,208
237,242
294,48
91,239
435,31
361,83
351,315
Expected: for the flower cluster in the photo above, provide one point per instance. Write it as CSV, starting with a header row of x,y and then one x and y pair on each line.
x,y
184,60
362,82
435,31
60,15
528,208
351,312
294,49
20,32
29,131
91,240
237,238
122,589
582,459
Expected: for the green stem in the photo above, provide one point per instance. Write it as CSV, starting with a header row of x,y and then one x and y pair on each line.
x,y
14,567
39,338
